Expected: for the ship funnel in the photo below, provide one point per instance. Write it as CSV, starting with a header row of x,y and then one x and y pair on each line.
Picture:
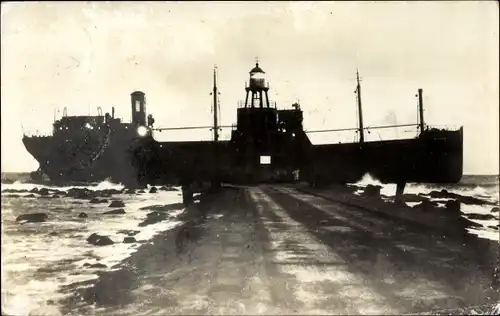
x,y
138,100
113,112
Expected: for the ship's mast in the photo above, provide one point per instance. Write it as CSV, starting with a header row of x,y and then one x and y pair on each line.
x,y
421,110
361,128
216,124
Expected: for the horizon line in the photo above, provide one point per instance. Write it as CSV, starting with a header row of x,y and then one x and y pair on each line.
x,y
465,174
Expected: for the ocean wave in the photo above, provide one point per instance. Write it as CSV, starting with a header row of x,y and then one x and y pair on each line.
x,y
20,185
38,259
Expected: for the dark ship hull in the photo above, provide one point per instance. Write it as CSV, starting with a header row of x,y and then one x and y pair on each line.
x,y
106,157
68,159
262,131
433,157
89,148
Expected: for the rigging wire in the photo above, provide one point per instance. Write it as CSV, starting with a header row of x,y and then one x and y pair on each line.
x,y
310,132
219,113
356,129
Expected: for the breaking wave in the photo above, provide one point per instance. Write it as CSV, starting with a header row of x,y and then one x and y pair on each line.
x,y
22,185
483,188
488,187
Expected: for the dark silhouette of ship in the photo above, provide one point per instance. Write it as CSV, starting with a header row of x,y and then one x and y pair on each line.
x,y
90,148
268,144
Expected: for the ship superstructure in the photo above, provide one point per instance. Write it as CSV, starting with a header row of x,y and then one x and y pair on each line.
x,y
266,140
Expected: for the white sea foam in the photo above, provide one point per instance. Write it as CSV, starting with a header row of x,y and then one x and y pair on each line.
x,y
485,234
18,185
387,189
489,194
35,263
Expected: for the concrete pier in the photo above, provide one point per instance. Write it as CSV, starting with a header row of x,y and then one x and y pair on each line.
x,y
280,250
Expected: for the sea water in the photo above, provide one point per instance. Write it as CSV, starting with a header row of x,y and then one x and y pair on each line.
x,y
39,258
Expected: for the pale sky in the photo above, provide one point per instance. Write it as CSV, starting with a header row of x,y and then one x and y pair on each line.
x,y
84,55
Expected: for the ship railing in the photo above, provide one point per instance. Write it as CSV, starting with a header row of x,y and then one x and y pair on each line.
x,y
160,129
194,133
272,104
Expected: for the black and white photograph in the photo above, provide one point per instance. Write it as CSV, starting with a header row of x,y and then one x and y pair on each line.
x,y
250,158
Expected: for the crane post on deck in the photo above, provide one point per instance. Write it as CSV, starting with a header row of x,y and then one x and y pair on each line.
x,y
215,183
215,92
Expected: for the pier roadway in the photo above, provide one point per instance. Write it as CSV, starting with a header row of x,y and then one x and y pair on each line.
x,y
274,250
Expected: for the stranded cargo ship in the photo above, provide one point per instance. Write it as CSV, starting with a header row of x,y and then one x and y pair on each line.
x,y
267,144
